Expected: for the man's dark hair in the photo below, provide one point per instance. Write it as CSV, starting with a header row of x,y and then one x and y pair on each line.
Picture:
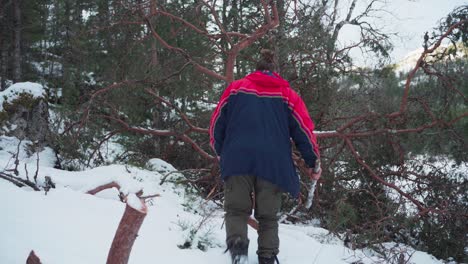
x,y
267,61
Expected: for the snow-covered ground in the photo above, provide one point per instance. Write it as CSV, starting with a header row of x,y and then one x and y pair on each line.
x,y
66,225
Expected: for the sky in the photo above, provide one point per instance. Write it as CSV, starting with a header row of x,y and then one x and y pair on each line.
x,y
409,19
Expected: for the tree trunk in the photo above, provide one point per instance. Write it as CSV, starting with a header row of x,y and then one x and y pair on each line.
x,y
3,43
104,21
126,234
43,47
4,65
3,54
154,63
17,41
280,48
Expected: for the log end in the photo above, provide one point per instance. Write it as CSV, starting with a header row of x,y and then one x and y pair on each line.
x,y
136,203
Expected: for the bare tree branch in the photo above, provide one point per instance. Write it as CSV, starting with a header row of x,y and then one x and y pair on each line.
x,y
404,99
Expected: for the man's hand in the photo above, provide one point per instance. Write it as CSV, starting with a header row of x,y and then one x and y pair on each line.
x,y
315,175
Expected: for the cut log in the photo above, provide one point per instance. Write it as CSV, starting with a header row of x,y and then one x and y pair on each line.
x,y
33,259
127,232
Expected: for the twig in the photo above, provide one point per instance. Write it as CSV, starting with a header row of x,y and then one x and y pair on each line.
x,y
19,180
163,179
15,170
26,170
291,212
37,167
150,196
13,180
404,100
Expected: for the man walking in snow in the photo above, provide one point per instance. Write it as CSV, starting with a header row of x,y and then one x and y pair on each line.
x,y
251,131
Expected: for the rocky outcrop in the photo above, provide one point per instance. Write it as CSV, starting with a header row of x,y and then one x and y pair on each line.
x,y
24,112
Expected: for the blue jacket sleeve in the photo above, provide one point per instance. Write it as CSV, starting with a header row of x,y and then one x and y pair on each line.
x,y
218,122
301,129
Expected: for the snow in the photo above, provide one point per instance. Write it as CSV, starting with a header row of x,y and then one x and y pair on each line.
x,y
160,165
12,92
442,164
89,78
325,132
66,225
48,67
427,165
409,61
110,151
135,202
9,146
400,249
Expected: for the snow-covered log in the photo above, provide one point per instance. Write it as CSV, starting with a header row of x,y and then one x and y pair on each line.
x,y
127,232
132,219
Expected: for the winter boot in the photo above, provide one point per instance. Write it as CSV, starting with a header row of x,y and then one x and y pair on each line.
x,y
268,260
239,249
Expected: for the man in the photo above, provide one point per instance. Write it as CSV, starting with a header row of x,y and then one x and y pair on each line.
x,y
251,131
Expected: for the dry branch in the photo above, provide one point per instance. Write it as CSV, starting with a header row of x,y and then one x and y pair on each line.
x,y
252,223
18,181
104,187
374,175
419,64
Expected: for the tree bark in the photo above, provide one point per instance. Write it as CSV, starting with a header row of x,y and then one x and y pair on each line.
x,y
104,187
3,43
126,234
17,41
154,62
4,65
281,50
3,55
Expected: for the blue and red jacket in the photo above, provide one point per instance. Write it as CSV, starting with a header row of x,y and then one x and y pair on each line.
x,y
251,128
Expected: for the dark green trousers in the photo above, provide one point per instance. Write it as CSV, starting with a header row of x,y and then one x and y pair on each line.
x,y
238,205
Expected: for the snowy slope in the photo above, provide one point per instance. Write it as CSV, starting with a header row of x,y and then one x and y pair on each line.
x,y
68,226
409,61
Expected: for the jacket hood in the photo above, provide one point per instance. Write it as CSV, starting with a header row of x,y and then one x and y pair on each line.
x,y
270,79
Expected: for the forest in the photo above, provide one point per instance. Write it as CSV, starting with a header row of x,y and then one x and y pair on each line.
x,y
146,75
